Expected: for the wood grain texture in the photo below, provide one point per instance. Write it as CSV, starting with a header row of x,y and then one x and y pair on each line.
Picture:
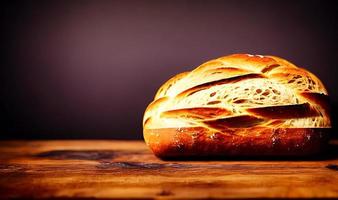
x,y
127,169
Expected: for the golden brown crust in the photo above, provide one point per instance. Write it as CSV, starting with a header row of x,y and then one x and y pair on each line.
x,y
318,99
165,87
207,85
258,141
196,113
239,105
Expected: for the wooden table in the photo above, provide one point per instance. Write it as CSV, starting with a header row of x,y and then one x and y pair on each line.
x,y
127,169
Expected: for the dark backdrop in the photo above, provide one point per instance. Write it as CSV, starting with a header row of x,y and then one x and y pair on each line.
x,y
88,69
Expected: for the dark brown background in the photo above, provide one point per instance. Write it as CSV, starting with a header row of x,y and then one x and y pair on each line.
x,y
88,69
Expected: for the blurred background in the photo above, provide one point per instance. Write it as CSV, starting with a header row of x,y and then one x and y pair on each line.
x,y
88,69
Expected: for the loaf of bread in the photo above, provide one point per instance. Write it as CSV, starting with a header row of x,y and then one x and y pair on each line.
x,y
239,105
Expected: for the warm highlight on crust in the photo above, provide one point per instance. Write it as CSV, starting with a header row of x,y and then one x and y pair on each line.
x,y
239,105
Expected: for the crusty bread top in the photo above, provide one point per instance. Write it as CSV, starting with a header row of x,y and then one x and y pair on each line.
x,y
238,91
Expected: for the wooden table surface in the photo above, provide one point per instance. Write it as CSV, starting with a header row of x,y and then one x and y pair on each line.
x,y
127,169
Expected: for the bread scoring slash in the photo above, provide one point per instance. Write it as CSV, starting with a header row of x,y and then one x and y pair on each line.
x,y
239,105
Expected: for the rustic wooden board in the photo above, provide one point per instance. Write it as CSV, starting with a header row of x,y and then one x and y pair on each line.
x,y
127,169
